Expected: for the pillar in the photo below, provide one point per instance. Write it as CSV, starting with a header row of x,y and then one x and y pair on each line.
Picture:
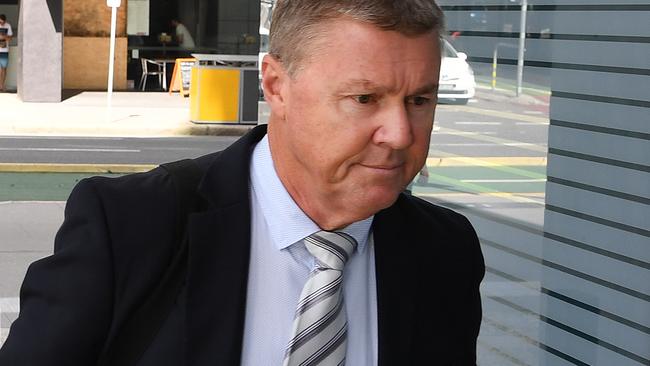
x,y
40,40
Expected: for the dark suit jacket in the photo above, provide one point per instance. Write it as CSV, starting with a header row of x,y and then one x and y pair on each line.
x,y
117,240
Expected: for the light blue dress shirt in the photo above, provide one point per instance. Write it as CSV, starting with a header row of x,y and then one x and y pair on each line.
x,y
279,268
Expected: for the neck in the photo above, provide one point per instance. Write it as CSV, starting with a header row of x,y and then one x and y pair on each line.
x,y
326,211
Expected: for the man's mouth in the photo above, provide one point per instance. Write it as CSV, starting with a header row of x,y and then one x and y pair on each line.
x,y
382,166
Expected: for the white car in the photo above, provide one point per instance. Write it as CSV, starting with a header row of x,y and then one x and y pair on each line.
x,y
456,76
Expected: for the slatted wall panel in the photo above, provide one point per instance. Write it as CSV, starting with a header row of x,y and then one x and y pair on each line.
x,y
586,283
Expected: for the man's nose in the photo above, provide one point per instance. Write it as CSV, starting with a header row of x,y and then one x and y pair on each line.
x,y
395,130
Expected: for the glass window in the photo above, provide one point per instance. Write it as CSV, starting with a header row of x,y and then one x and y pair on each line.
x,y
549,159
177,28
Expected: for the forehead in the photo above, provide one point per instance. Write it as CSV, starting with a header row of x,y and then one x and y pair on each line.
x,y
358,50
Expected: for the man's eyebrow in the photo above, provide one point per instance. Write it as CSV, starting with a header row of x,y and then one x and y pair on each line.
x,y
427,89
366,84
369,85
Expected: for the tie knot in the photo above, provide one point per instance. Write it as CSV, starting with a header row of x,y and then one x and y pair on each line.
x,y
331,248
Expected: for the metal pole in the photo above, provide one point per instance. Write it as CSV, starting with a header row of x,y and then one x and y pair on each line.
x,y
522,45
111,60
494,67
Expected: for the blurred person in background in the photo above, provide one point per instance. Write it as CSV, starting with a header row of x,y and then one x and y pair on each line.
x,y
6,34
183,36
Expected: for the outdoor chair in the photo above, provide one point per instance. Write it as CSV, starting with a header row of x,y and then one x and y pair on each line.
x,y
153,68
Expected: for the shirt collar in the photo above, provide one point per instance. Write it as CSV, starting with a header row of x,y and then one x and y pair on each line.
x,y
287,223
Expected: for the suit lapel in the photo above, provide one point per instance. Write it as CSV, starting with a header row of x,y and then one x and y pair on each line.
x,y
219,251
396,286
216,289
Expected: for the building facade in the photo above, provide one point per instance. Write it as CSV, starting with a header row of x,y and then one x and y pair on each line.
x,y
64,44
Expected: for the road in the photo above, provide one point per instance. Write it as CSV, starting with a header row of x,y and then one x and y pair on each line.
x,y
111,150
487,160
461,130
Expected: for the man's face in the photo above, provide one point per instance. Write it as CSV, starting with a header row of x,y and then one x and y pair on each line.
x,y
351,128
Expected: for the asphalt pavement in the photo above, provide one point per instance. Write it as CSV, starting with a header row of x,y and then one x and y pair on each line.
x,y
107,150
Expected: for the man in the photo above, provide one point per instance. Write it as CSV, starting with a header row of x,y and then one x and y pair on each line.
x,y
306,251
183,36
5,37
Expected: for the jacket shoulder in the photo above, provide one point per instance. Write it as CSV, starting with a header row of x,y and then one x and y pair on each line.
x,y
441,230
139,193
138,206
426,213
151,183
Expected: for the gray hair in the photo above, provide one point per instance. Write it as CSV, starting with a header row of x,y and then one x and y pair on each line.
x,y
295,23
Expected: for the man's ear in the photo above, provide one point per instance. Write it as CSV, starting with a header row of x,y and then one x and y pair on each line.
x,y
274,79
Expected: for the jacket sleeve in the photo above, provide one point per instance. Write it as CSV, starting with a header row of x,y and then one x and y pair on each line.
x,y
66,299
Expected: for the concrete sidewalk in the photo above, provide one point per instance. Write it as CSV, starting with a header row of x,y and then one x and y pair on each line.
x,y
133,114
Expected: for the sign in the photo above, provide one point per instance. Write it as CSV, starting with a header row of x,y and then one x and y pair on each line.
x,y
137,18
181,76
114,3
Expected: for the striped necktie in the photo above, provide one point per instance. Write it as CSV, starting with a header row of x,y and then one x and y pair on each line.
x,y
320,325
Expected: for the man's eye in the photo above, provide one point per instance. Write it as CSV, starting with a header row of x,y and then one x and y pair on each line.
x,y
420,100
363,99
